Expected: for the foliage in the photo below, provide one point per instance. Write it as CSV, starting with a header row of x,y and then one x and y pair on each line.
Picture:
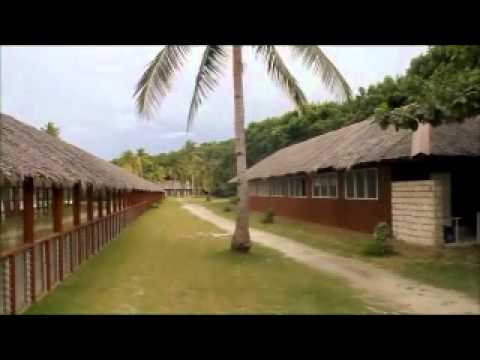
x,y
227,208
379,246
155,82
130,161
51,129
268,217
441,85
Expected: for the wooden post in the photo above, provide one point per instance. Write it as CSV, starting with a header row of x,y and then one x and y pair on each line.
x,y
28,214
28,228
100,204
76,204
57,209
109,201
89,203
88,232
114,200
13,292
58,204
48,269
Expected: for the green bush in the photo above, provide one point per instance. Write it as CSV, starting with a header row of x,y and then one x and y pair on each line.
x,y
268,217
379,246
234,200
227,208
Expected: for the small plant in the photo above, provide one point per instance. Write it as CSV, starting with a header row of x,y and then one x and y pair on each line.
x,y
379,246
234,200
268,217
227,208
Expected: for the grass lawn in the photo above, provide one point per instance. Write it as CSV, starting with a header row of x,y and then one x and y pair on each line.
x,y
457,269
170,262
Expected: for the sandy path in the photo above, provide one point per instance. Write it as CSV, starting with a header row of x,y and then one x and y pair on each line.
x,y
378,285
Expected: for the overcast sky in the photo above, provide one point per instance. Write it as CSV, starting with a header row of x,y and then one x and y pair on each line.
x,y
87,91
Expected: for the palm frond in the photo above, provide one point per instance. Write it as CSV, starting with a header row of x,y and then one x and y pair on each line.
x,y
155,82
279,72
315,58
207,78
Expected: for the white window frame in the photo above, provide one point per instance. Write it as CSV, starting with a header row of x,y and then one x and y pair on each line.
x,y
289,187
325,174
355,184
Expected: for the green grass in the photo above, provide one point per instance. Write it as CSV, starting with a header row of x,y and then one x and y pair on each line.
x,y
170,262
457,269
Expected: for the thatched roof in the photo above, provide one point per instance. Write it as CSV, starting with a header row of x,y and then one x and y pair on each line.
x,y
365,142
28,152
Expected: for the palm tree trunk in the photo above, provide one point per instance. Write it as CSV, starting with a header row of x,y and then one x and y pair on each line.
x,y
241,237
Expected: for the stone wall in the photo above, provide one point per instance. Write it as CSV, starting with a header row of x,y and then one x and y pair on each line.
x,y
417,211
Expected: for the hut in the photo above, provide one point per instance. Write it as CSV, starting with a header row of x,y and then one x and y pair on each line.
x,y
59,205
177,188
424,184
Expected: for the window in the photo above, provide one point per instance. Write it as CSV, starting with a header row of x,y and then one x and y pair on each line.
x,y
325,185
297,187
361,184
263,188
278,187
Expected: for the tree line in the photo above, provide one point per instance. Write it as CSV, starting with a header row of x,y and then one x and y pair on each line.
x,y
442,85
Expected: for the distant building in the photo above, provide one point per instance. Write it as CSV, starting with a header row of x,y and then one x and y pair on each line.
x,y
176,188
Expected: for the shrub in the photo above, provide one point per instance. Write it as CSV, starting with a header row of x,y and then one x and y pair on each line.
x,y
268,217
227,208
379,246
234,200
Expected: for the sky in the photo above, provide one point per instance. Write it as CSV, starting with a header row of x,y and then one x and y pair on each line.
x,y
87,91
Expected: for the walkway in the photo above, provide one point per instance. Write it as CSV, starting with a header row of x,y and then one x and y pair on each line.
x,y
406,295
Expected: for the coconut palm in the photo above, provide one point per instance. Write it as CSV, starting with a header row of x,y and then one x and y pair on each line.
x,y
156,81
130,161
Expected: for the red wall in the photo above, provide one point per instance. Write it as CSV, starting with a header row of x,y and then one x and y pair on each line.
x,y
359,215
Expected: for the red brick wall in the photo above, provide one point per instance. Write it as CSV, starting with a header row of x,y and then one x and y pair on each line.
x,y
359,215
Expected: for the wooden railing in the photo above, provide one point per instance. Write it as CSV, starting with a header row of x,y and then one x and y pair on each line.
x,y
29,272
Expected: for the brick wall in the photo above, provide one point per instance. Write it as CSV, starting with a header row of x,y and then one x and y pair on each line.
x,y
417,211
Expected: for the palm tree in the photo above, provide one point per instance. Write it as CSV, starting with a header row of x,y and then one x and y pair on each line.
x,y
156,81
130,161
51,129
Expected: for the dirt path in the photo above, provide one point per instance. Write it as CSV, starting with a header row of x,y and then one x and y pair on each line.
x,y
378,285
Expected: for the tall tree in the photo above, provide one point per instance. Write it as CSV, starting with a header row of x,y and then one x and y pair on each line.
x,y
129,161
51,129
156,82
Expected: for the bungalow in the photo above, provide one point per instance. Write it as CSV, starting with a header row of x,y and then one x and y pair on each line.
x,y
424,184
177,188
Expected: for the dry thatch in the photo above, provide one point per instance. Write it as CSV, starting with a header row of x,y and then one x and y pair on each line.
x,y
365,142
28,152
